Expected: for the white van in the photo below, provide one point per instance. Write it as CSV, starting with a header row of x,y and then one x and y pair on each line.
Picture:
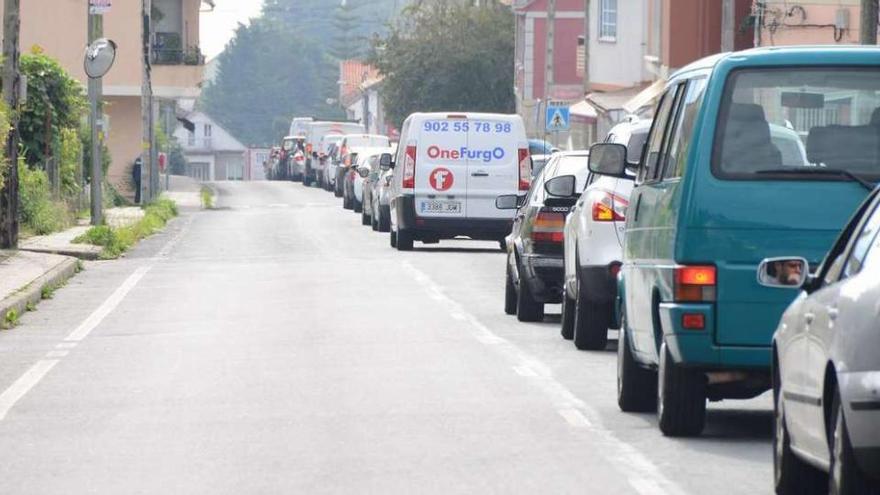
x,y
317,146
448,172
298,126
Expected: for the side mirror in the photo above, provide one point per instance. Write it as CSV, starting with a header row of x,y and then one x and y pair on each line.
x,y
783,273
386,162
608,159
364,172
509,202
563,186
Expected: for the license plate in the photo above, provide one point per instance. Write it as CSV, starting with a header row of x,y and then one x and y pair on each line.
x,y
448,207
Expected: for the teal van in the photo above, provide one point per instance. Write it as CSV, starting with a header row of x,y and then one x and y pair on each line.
x,y
751,155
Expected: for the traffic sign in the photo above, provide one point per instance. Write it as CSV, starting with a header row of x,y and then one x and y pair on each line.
x,y
99,7
558,117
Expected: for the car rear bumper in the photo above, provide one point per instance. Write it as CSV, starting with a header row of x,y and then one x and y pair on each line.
x,y
487,229
698,349
544,274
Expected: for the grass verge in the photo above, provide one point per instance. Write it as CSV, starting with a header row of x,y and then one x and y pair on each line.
x,y
117,241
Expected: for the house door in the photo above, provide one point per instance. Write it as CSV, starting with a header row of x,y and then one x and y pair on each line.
x,y
200,171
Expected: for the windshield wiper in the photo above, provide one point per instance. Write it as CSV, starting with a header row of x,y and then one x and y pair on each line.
x,y
820,171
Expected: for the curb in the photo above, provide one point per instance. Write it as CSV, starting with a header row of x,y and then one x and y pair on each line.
x,y
33,292
83,255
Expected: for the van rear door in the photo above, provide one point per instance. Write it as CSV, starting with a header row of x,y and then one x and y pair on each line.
x,y
441,169
492,164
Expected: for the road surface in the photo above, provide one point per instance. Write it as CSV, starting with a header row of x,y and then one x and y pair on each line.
x,y
274,345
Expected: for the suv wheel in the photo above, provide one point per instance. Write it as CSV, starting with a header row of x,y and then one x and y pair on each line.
x,y
357,205
404,240
365,219
384,219
567,330
591,321
374,222
791,475
509,293
392,239
681,398
846,477
636,386
527,308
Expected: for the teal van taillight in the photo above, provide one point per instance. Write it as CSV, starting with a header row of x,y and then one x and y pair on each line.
x,y
751,155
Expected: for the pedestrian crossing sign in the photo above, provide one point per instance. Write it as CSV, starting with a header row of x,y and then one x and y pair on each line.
x,y
558,117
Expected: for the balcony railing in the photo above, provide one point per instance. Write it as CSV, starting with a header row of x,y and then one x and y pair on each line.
x,y
168,49
205,143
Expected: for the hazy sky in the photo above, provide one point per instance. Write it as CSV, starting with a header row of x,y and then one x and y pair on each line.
x,y
219,25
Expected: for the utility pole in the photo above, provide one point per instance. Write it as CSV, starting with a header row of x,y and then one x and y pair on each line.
x,y
868,31
586,47
149,180
11,92
96,31
728,20
549,65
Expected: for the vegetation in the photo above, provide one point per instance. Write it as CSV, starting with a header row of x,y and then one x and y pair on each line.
x,y
10,319
207,196
40,213
285,63
117,241
448,56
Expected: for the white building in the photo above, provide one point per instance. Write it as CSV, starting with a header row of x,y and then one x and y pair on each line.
x,y
212,153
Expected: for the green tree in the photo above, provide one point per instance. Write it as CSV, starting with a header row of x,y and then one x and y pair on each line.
x,y
346,44
55,102
448,55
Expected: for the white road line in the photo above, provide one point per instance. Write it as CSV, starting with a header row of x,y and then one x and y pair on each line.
x,y
95,319
644,477
66,345
24,384
575,418
57,354
524,371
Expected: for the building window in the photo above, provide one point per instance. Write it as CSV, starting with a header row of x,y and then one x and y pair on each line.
x,y
191,138
607,20
208,130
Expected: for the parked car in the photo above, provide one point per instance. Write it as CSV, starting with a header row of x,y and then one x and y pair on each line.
x,y
449,170
316,146
331,143
538,163
714,198
534,247
380,217
291,162
360,180
353,182
354,141
299,126
541,147
826,369
594,232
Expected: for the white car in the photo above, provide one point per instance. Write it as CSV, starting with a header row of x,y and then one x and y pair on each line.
x,y
317,146
826,369
449,170
380,216
337,169
354,181
594,233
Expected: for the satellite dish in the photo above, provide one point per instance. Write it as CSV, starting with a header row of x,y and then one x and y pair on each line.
x,y
100,56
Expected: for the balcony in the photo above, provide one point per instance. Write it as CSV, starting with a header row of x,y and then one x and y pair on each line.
x,y
168,49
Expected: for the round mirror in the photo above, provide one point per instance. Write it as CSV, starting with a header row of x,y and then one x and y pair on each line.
x,y
99,58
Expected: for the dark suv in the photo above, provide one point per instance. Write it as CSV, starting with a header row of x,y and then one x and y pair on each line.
x,y
535,267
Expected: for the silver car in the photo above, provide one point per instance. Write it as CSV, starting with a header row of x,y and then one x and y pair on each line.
x,y
826,365
380,215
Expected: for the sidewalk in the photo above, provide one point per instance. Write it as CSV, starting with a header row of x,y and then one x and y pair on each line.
x,y
185,192
24,275
62,242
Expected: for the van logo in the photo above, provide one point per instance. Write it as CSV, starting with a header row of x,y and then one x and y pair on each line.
x,y
464,153
441,179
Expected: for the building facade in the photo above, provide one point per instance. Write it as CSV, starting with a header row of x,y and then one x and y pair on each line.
x,y
212,153
177,63
810,22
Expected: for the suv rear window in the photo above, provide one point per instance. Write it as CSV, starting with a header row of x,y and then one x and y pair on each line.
x,y
796,122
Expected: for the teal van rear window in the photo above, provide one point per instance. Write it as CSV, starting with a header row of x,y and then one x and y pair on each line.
x,y
795,123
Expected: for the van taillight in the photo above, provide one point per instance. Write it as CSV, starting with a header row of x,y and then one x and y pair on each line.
x,y
308,149
409,168
548,227
608,207
695,283
525,169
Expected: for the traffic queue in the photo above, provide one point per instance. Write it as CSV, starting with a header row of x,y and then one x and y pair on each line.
x,y
731,240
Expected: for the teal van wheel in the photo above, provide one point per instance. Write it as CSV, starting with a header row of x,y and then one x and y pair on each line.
x,y
681,398
636,386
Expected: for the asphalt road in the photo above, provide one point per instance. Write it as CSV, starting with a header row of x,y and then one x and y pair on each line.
x,y
275,345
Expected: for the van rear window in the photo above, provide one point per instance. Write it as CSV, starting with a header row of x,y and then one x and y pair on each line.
x,y
794,123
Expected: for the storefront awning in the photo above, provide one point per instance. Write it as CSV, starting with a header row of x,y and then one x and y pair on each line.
x,y
645,98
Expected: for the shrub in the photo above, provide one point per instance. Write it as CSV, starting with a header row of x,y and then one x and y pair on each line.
x,y
40,214
117,241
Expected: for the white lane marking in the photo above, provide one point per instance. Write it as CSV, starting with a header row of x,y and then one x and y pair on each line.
x,y
643,475
24,384
524,371
66,345
57,354
575,418
95,319
278,205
